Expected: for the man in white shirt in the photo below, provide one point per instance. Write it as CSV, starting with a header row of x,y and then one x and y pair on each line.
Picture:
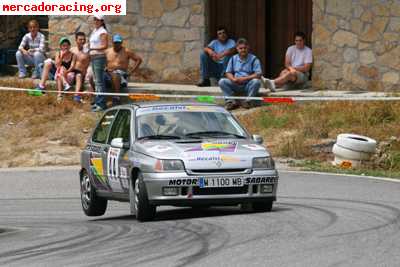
x,y
31,50
298,62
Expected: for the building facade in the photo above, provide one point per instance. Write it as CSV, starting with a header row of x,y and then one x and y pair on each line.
x,y
355,42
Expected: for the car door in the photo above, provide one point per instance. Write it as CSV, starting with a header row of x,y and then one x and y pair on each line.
x,y
117,157
98,151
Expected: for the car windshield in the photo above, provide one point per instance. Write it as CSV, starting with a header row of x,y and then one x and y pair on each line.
x,y
187,123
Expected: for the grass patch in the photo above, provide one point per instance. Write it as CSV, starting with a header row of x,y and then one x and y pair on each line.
x,y
317,166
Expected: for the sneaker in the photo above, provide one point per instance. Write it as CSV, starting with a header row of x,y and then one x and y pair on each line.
x,y
67,87
22,76
35,76
231,105
97,108
78,99
269,84
204,83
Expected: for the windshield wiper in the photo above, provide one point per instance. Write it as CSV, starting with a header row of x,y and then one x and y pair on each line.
x,y
214,133
156,137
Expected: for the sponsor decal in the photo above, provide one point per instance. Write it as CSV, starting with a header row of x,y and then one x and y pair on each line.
x,y
261,180
94,148
159,148
186,182
212,156
215,146
96,166
253,147
178,108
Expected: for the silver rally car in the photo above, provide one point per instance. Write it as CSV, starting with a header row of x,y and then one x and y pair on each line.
x,y
178,154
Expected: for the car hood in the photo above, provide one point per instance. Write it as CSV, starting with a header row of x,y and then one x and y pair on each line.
x,y
207,154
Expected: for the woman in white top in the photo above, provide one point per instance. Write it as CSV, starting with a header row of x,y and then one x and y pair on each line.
x,y
98,43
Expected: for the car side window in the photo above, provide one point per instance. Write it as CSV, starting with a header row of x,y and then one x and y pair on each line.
x,y
121,127
101,132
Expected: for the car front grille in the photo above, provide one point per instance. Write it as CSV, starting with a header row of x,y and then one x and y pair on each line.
x,y
197,191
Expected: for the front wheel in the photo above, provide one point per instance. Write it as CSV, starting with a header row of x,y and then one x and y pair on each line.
x,y
92,205
262,206
143,209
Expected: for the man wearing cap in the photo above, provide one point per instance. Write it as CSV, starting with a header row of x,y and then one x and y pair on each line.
x,y
117,65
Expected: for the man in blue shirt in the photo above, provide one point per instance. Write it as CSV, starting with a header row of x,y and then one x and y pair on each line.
x,y
243,75
215,57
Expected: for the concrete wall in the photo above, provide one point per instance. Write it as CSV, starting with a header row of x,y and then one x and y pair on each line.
x,y
356,44
167,34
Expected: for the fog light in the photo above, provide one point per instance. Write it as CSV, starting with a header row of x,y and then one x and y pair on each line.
x,y
266,188
170,191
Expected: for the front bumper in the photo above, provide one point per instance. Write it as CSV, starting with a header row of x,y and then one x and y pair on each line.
x,y
191,194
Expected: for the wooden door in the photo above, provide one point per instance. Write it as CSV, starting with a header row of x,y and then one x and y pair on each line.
x,y
243,18
284,18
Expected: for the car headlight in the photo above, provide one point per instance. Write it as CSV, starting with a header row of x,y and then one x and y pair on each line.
x,y
165,165
263,163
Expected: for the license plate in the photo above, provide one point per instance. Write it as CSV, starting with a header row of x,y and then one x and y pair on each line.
x,y
220,182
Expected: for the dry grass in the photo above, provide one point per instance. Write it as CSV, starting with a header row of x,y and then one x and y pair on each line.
x,y
30,124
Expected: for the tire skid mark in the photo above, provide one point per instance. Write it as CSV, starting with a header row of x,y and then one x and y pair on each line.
x,y
81,240
393,221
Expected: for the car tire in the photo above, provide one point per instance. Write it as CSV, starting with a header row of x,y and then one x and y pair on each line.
x,y
262,206
143,209
92,205
345,153
356,143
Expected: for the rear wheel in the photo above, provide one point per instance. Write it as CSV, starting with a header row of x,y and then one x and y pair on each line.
x,y
92,205
143,209
262,206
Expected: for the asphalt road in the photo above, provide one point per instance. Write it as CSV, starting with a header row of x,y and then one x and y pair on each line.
x,y
319,220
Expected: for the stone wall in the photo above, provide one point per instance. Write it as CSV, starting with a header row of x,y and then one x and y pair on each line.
x,y
167,34
356,44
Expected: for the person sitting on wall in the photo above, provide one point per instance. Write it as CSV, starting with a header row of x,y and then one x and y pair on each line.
x,y
31,50
65,63
298,62
215,57
117,65
80,69
243,75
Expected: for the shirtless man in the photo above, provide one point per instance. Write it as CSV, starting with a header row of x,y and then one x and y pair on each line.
x,y
117,66
82,63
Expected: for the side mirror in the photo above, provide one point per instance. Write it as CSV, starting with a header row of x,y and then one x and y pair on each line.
x,y
119,143
258,139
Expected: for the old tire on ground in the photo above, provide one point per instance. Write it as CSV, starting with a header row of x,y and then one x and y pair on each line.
x,y
144,210
262,206
92,205
345,153
356,143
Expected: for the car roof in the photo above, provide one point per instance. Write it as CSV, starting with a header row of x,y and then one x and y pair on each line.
x,y
159,104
